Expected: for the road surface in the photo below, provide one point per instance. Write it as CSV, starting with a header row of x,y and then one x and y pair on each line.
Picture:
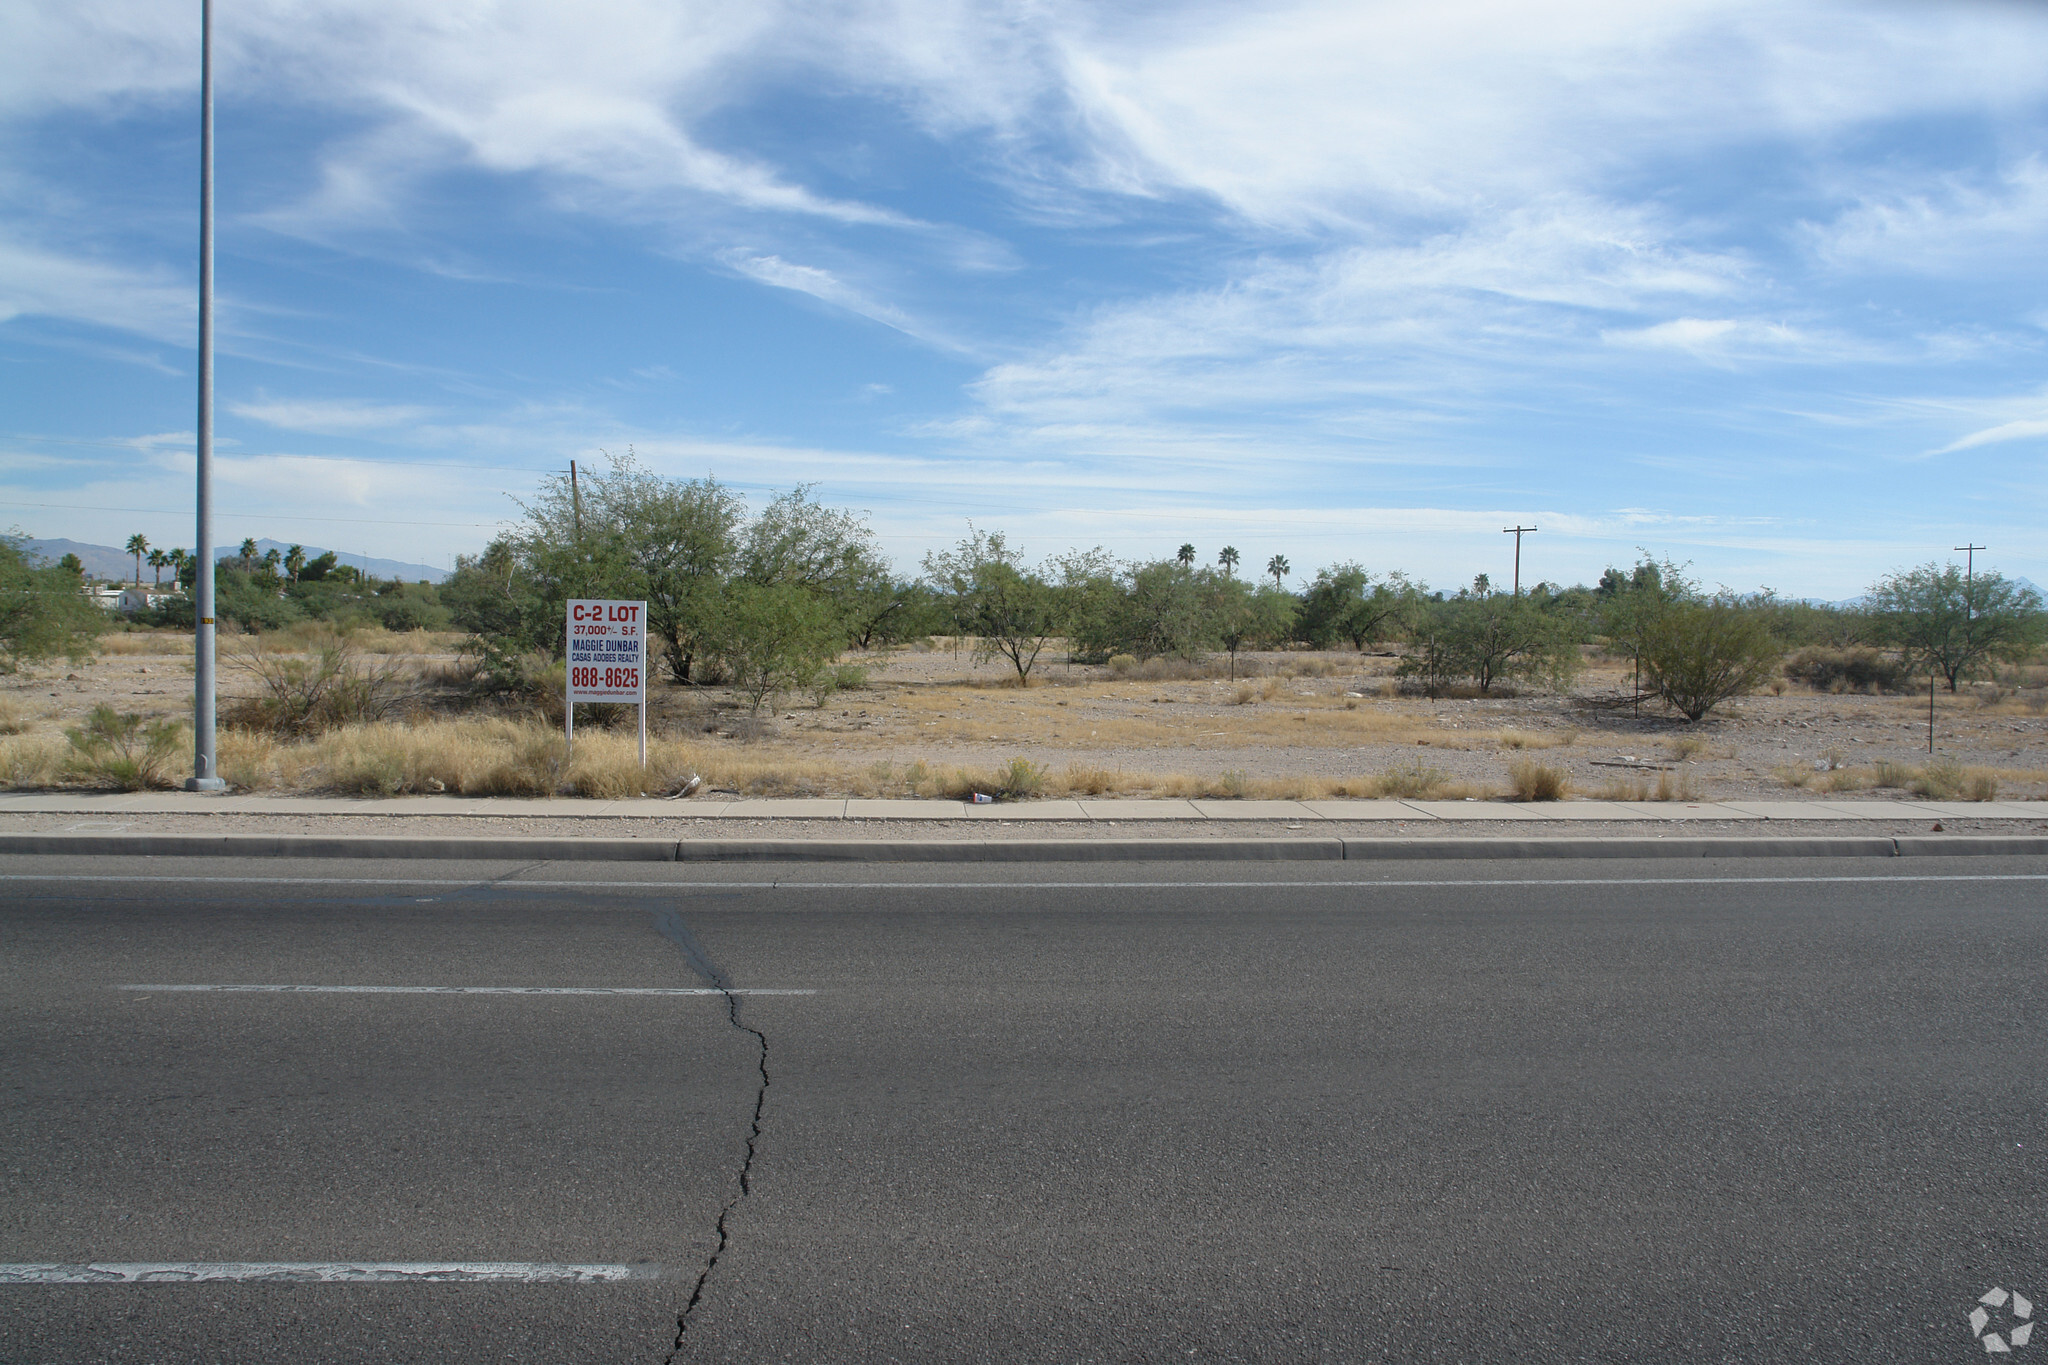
x,y
1683,1110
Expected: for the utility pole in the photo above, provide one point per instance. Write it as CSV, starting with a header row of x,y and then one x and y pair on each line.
x,y
1517,532
576,502
1970,580
205,765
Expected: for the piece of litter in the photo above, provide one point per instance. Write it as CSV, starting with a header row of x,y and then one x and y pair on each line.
x,y
983,799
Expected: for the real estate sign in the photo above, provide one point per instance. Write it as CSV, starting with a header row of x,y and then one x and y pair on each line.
x,y
608,658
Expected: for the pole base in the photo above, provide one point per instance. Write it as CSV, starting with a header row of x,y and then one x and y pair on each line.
x,y
206,784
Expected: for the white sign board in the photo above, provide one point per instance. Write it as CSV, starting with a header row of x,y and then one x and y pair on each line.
x,y
608,657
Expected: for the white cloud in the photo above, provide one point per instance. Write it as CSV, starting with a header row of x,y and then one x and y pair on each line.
x,y
1950,226
1333,110
824,286
330,416
39,283
2025,429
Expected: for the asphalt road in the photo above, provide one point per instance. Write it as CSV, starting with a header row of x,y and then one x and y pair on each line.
x,y
1685,1111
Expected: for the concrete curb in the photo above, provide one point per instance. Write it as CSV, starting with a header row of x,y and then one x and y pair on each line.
x,y
521,848
1009,850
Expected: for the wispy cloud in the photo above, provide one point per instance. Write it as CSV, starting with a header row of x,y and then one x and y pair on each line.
x,y
2025,429
826,287
342,415
37,282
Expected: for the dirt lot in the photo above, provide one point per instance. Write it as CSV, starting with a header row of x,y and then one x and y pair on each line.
x,y
1291,724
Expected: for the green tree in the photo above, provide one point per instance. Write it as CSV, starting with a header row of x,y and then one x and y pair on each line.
x,y
1010,611
1185,556
157,560
672,543
1279,568
1227,557
1489,637
1250,617
73,565
1166,608
1956,626
1090,596
773,638
295,562
247,555
44,611
1345,603
138,545
1627,605
1697,653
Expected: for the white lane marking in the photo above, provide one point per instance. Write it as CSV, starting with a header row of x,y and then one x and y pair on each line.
x,y
647,887
470,990
325,1272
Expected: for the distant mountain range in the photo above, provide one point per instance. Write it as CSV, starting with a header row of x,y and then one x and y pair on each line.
x,y
114,564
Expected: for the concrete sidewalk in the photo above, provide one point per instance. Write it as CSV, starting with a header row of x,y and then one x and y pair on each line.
x,y
1198,813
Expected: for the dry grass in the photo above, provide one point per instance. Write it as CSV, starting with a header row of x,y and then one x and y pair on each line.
x,y
128,642
1095,715
1669,787
14,717
1944,780
1529,780
31,761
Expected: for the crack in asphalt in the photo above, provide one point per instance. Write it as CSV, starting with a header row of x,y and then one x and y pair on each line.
x,y
670,923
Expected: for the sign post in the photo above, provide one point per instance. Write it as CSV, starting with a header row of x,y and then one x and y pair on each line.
x,y
607,659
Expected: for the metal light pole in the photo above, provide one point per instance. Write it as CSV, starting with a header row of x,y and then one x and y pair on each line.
x,y
205,767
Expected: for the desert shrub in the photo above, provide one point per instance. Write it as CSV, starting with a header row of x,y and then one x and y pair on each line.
x,y
1122,664
1699,654
128,751
1684,747
299,697
14,717
1234,783
1016,780
1980,786
1839,670
1939,781
1885,773
1533,781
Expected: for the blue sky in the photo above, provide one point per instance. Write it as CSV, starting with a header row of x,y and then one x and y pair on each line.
x,y
1754,286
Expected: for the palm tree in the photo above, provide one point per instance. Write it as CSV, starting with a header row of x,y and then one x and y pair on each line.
x,y
1227,557
1279,568
248,553
295,560
157,560
1186,556
138,545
